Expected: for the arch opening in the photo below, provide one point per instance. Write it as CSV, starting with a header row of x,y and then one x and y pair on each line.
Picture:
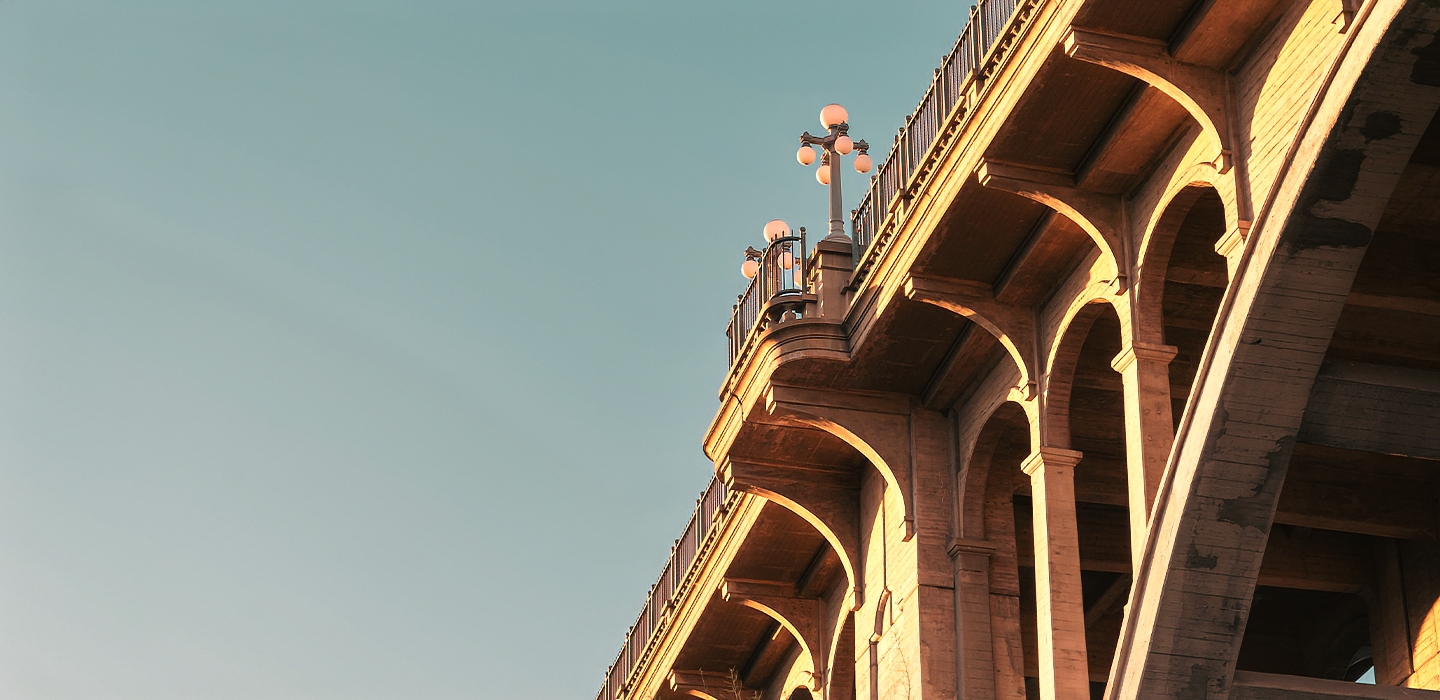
x,y
997,509
1193,284
1087,413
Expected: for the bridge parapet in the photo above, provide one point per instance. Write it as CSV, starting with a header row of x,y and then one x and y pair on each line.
x,y
688,554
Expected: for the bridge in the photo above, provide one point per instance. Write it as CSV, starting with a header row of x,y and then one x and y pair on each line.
x,y
1124,383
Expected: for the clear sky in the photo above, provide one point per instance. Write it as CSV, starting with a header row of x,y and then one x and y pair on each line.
x,y
364,349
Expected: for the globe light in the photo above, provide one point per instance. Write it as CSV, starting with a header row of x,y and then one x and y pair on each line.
x,y
749,268
776,229
806,155
844,145
833,114
823,175
862,163
787,259
799,276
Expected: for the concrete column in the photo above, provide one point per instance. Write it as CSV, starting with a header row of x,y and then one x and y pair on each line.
x,y
975,660
835,261
1149,430
1059,603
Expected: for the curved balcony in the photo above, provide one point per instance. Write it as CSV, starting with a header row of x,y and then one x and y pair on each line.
x,y
779,290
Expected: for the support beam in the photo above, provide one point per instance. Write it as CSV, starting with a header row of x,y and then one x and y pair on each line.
x,y
708,685
1374,408
1250,685
1361,492
1295,557
1149,429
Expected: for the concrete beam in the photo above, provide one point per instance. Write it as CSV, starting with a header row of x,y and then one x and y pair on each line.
x,y
708,685
1273,686
1374,408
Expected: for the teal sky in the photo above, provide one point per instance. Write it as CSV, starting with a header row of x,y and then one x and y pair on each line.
x,y
364,349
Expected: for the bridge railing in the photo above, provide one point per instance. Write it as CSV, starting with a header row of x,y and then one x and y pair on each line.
x,y
780,280
709,509
950,83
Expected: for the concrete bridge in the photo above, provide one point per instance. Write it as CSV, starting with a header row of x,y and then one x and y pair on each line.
x,y
1127,386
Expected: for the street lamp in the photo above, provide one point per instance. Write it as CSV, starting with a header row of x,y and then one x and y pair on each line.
x,y
781,260
832,146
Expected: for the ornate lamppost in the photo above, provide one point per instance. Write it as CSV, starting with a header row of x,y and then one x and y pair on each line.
x,y
833,145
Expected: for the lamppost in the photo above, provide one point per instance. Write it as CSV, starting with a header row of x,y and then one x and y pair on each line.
x,y
833,145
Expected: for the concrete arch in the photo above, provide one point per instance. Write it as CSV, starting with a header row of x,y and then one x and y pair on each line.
x,y
871,454
1096,291
847,554
1196,173
842,666
1065,353
801,617
987,549
1012,325
1156,254
974,479
1099,215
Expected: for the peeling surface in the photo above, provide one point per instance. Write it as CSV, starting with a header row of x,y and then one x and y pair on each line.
x,y
1198,687
1427,64
1196,560
1380,125
1336,173
1257,511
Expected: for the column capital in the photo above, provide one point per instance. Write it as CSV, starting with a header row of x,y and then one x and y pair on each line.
x,y
1051,456
1143,351
1233,239
962,545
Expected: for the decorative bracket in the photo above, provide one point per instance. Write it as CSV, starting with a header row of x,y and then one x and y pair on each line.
x,y
1203,92
1099,215
1012,324
707,685
825,499
877,425
802,617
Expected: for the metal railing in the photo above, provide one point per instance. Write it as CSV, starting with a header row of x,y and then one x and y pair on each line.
x,y
987,21
708,511
779,280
